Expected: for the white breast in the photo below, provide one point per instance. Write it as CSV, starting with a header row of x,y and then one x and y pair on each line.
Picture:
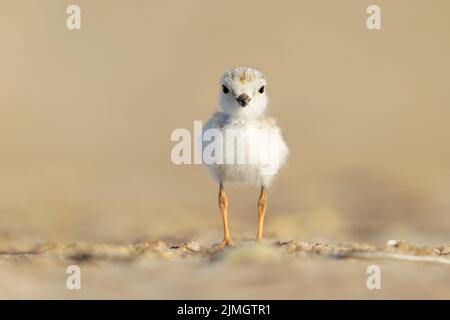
x,y
252,151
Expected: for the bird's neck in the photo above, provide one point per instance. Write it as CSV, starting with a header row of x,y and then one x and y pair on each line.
x,y
243,115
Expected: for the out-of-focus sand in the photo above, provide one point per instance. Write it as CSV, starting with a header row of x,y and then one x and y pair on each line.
x,y
268,270
86,118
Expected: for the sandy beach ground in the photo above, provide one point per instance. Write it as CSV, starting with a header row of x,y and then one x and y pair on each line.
x,y
269,270
86,176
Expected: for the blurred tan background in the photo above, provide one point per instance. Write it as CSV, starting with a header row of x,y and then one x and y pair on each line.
x,y
86,118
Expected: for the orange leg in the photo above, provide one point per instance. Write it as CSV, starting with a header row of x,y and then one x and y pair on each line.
x,y
223,205
262,204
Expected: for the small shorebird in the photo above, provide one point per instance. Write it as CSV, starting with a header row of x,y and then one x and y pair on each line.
x,y
241,111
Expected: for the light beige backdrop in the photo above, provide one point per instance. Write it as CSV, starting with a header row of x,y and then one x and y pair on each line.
x,y
86,118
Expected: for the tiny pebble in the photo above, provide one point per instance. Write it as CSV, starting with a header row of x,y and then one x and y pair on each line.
x,y
193,246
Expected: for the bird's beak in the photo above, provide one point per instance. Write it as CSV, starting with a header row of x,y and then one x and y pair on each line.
x,y
243,100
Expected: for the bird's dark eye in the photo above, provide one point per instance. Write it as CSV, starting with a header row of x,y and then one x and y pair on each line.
x,y
261,90
225,89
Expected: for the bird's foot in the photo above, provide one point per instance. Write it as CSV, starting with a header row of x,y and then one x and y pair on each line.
x,y
225,243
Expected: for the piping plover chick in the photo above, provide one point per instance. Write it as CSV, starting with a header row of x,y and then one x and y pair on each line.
x,y
248,145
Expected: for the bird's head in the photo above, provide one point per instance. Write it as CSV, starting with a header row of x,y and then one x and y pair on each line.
x,y
243,92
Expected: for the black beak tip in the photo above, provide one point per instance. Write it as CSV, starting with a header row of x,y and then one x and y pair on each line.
x,y
243,100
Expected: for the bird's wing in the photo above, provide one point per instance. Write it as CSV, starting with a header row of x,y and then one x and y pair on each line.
x,y
218,120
